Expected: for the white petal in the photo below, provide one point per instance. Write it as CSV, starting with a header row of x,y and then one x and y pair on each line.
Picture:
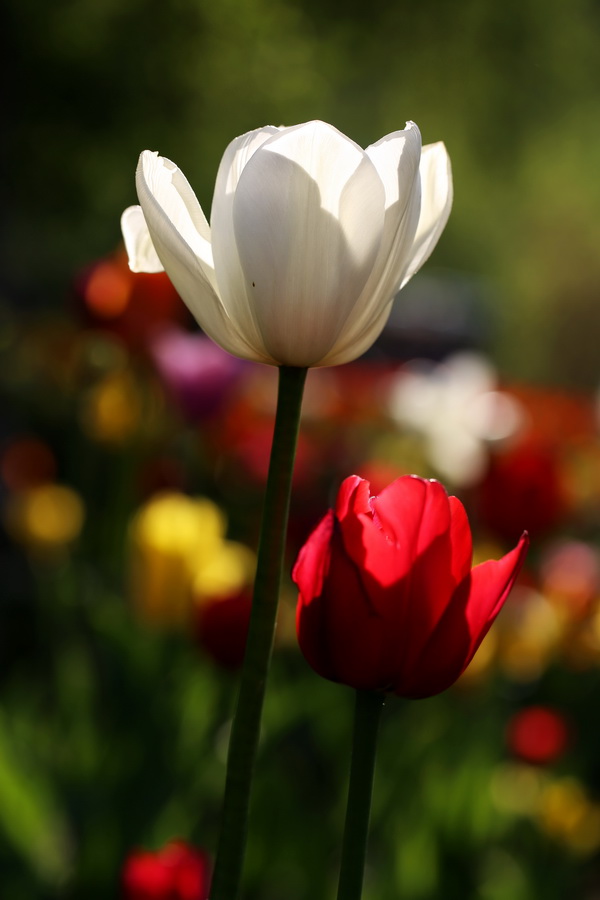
x,y
436,203
164,187
181,238
138,243
396,158
308,219
230,279
359,341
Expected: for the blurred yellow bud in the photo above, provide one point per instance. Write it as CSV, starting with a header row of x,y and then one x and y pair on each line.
x,y
112,409
178,554
568,816
45,518
530,631
228,570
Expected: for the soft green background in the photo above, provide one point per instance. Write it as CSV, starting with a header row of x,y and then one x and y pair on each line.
x,y
111,736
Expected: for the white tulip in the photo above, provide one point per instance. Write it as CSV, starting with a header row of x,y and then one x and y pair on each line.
x,y
310,238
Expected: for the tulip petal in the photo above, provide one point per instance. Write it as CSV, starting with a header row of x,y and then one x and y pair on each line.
x,y
138,243
356,340
396,158
378,559
436,203
309,574
468,618
165,188
308,219
181,238
310,568
401,546
233,287
461,541
339,631
355,633
417,513
353,497
489,584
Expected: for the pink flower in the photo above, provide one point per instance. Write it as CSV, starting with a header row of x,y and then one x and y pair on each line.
x,y
388,599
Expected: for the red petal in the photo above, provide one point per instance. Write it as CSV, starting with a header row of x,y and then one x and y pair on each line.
x,y
338,631
381,563
418,511
460,540
312,562
474,606
309,574
490,584
353,497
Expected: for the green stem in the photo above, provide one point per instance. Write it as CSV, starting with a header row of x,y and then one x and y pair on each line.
x,y
367,714
245,731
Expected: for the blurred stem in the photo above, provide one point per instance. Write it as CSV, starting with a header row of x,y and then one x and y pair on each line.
x,y
245,731
367,714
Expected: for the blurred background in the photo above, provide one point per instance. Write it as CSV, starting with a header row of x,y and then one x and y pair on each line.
x,y
133,453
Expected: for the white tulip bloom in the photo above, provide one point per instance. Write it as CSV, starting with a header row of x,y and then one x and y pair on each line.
x,y
310,238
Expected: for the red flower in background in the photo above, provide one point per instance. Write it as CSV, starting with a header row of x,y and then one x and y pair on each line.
x,y
523,488
388,600
538,734
131,305
177,872
222,628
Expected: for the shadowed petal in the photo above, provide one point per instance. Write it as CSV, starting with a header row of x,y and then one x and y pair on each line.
x,y
309,574
233,291
396,158
308,217
338,632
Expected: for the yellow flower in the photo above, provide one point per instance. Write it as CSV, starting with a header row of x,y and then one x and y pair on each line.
x,y
179,554
568,816
112,409
46,518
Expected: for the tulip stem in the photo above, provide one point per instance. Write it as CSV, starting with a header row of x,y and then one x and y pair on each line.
x,y
245,732
367,714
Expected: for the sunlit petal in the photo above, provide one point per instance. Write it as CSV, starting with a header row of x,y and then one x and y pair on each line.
x,y
138,243
437,194
180,235
305,270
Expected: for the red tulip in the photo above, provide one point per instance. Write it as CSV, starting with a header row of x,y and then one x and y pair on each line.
x,y
388,599
177,872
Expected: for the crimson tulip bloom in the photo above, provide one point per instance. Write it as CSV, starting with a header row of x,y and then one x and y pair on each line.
x,y
388,599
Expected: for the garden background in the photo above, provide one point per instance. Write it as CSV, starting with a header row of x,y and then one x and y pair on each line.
x,y
113,711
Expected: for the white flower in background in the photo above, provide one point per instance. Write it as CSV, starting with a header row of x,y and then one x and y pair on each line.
x,y
456,408
310,238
